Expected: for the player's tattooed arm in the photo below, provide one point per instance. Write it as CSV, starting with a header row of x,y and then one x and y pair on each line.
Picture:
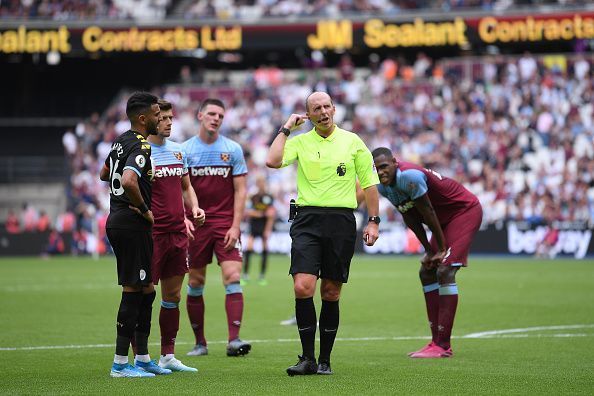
x,y
132,190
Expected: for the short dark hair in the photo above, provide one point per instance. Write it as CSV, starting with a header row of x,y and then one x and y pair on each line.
x,y
211,101
382,151
164,105
139,103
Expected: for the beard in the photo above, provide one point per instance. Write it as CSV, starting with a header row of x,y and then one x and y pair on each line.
x,y
152,128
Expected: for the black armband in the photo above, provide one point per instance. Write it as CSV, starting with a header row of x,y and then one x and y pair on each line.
x,y
143,208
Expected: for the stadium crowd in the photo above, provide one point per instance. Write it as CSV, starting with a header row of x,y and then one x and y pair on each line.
x,y
88,10
518,132
255,9
246,9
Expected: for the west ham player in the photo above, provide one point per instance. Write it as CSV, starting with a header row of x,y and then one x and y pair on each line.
x,y
171,189
453,214
128,170
218,174
260,215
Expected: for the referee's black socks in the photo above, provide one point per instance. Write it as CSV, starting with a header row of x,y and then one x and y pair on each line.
x,y
126,321
329,319
305,312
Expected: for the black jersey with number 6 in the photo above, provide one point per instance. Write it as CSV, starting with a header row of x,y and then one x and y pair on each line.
x,y
129,151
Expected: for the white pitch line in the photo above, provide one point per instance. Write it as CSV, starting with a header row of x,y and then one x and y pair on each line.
x,y
508,333
527,329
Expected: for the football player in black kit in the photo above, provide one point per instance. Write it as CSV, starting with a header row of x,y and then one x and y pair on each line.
x,y
261,216
128,170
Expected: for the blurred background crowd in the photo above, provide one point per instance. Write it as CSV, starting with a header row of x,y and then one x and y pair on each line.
x,y
246,9
517,129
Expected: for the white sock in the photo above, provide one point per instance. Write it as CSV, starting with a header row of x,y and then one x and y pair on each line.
x,y
166,358
143,358
119,359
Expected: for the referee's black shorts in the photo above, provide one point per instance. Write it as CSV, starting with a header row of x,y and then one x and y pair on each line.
x,y
134,251
323,242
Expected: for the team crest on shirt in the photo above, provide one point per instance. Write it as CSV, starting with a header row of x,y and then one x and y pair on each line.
x,y
225,157
412,187
178,155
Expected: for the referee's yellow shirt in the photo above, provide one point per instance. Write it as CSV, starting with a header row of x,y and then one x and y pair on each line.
x,y
327,168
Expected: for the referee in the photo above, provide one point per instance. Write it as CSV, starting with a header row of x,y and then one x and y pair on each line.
x,y
330,161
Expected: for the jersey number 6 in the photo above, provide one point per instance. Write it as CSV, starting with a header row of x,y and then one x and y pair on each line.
x,y
113,176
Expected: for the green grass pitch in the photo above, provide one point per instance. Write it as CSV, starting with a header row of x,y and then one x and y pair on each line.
x,y
523,327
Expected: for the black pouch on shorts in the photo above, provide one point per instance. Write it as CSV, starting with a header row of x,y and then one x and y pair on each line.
x,y
292,210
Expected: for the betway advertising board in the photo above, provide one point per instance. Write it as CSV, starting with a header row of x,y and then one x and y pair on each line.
x,y
575,240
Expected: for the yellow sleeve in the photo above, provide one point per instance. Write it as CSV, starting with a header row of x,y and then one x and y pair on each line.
x,y
290,152
364,166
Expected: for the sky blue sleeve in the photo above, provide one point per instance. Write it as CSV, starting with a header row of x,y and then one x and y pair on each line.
x,y
239,165
185,160
414,183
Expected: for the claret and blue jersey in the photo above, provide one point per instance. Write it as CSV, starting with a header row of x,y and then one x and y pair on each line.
x,y
170,164
212,168
447,196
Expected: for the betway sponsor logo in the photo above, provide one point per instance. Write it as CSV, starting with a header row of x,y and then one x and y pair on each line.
x,y
210,171
169,171
570,241
403,208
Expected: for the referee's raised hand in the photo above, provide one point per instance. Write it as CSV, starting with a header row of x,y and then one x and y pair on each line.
x,y
295,121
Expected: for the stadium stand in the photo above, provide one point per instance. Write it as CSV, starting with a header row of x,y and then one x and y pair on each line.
x,y
84,10
517,131
249,10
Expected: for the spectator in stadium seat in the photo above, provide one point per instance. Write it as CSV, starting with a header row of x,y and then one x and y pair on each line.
x,y
12,223
330,160
44,222
55,243
30,217
453,214
128,171
218,174
171,189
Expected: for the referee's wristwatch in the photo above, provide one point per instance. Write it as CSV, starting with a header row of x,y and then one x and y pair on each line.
x,y
285,131
374,219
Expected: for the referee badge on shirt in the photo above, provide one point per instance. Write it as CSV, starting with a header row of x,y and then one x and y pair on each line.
x,y
225,157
